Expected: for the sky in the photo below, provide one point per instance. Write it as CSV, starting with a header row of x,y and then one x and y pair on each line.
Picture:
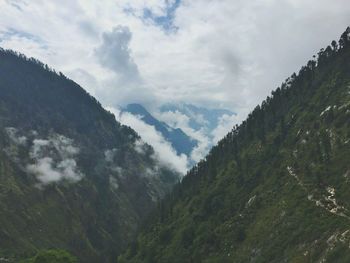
x,y
213,53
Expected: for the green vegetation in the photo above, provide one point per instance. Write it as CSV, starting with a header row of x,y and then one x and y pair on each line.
x,y
275,189
51,256
50,127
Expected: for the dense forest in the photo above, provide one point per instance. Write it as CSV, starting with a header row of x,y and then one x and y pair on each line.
x,y
71,177
276,188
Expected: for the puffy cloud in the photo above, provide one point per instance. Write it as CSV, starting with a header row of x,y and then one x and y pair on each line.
x,y
140,146
48,172
113,165
179,120
223,53
204,144
114,53
174,118
164,153
224,126
204,131
53,160
113,182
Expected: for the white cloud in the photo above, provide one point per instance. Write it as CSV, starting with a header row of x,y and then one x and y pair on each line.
x,y
53,160
179,120
174,118
38,144
225,125
140,146
44,170
204,143
109,155
113,182
205,136
224,53
164,153
48,172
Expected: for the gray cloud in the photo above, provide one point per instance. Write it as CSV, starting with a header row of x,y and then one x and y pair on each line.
x,y
224,53
114,53
16,3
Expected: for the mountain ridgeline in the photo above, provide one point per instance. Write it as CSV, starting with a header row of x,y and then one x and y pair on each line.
x,y
275,189
71,177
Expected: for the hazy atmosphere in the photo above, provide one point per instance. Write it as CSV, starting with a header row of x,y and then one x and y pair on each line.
x,y
215,54
225,54
174,131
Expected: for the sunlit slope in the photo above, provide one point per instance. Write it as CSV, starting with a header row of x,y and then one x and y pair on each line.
x,y
276,188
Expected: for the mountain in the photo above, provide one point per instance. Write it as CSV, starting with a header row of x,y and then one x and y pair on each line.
x,y
199,117
276,188
71,176
50,256
207,125
182,143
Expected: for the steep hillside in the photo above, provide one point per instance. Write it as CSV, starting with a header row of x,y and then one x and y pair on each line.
x,y
276,188
181,142
71,177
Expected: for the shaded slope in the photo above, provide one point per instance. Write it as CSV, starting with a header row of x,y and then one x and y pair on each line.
x,y
275,189
71,177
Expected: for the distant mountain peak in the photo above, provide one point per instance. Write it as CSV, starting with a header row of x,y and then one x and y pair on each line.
x,y
180,141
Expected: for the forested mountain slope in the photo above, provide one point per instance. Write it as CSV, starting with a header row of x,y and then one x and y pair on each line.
x,y
71,177
276,188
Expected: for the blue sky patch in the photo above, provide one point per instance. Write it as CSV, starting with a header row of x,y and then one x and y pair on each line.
x,y
166,21
11,32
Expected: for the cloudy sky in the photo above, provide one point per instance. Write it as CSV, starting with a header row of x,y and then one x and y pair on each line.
x,y
213,53
222,53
